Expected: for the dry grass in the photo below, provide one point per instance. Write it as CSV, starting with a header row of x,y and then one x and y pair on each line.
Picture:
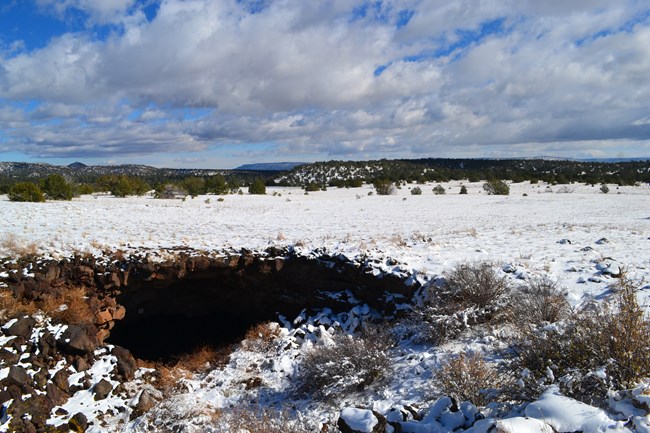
x,y
261,337
11,307
203,358
16,248
469,378
70,307
168,376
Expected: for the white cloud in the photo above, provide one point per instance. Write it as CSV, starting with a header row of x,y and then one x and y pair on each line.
x,y
302,75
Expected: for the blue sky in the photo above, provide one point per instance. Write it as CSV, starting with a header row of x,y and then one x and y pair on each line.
x,y
215,84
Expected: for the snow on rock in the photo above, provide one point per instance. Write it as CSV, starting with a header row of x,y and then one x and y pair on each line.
x,y
512,425
357,420
565,414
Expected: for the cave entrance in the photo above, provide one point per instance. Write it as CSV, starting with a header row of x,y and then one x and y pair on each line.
x,y
169,317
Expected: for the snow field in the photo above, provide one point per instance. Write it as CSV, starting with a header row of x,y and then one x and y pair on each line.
x,y
573,237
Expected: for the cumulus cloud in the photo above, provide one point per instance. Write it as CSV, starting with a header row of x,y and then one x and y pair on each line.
x,y
337,78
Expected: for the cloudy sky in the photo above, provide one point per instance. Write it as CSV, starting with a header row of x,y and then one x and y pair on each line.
x,y
217,83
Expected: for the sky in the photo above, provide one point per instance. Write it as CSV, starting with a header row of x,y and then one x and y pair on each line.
x,y
219,83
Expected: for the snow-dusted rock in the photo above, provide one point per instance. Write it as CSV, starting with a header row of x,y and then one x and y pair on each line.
x,y
565,414
22,327
353,420
511,425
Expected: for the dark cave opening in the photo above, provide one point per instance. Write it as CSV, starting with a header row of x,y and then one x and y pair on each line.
x,y
167,318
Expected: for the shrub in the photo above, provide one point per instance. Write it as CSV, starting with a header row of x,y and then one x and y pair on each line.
x,y
384,187
439,190
416,191
473,295
262,420
541,301
469,378
217,184
26,192
613,335
57,188
478,284
85,189
463,189
203,358
312,186
194,186
257,187
496,187
350,364
261,337
604,189
354,183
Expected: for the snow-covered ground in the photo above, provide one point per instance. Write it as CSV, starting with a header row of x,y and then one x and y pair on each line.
x,y
569,233
561,230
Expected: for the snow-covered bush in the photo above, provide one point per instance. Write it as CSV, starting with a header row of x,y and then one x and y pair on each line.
x,y
463,189
348,364
469,378
478,284
473,294
256,420
540,301
602,346
384,186
439,190
416,190
496,187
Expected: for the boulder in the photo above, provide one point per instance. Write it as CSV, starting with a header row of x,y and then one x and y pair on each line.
x,y
78,423
17,376
103,316
76,341
60,379
8,357
102,389
47,345
22,327
126,365
119,313
145,402
55,394
102,335
80,364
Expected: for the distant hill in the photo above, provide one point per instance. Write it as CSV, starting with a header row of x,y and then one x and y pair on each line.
x,y
79,172
77,165
270,166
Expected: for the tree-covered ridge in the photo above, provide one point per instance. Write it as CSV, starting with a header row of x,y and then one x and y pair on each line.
x,y
137,179
440,170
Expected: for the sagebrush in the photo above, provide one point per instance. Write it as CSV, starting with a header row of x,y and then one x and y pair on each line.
x,y
349,364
